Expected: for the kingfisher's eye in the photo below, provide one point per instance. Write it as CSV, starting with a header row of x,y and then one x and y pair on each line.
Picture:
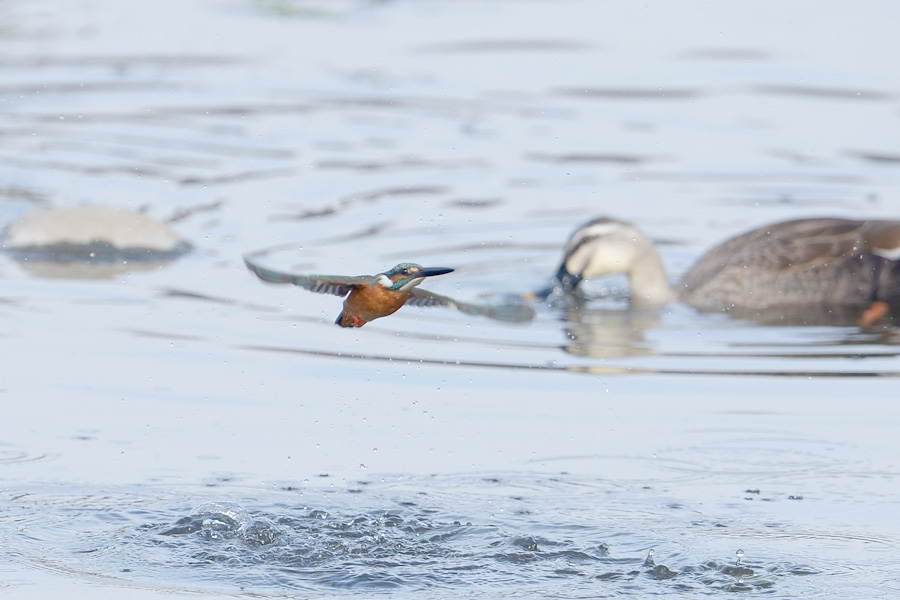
x,y
406,272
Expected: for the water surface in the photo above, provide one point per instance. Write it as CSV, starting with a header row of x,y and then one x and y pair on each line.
x,y
188,430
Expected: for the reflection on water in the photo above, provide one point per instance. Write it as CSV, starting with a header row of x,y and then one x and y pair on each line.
x,y
610,329
609,332
88,269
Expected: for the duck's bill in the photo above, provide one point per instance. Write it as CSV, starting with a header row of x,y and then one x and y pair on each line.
x,y
565,280
562,284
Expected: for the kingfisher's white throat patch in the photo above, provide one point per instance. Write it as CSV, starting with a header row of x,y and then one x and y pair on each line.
x,y
385,282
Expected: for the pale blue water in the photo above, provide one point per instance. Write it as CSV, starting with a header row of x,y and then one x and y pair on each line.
x,y
191,431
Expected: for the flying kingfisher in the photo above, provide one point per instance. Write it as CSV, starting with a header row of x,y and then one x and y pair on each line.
x,y
375,296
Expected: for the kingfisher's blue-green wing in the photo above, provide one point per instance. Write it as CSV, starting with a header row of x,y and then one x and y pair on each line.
x,y
338,285
511,312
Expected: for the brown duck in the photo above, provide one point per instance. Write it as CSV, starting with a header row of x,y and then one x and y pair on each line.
x,y
789,265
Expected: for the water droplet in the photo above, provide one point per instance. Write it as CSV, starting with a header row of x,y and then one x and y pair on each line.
x,y
363,466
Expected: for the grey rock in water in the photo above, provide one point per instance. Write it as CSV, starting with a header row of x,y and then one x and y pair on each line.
x,y
62,242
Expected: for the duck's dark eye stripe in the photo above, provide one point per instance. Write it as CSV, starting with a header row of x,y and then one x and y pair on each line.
x,y
582,242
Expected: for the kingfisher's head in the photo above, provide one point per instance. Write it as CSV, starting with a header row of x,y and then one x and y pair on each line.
x,y
406,276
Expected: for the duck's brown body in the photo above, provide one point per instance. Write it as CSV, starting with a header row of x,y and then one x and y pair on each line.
x,y
805,263
798,263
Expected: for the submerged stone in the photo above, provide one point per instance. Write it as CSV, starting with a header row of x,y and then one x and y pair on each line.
x,y
61,242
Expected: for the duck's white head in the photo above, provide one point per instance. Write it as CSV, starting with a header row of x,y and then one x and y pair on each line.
x,y
602,247
607,246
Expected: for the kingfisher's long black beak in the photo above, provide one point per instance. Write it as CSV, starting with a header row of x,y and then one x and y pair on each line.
x,y
432,271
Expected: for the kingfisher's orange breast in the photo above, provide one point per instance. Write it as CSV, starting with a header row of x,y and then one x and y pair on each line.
x,y
369,302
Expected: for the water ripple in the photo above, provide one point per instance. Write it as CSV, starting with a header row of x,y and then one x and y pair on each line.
x,y
463,535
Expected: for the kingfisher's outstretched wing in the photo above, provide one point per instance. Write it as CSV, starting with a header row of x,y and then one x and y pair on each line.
x,y
512,312
338,285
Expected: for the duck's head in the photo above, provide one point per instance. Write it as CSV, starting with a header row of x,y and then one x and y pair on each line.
x,y
601,247
406,276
